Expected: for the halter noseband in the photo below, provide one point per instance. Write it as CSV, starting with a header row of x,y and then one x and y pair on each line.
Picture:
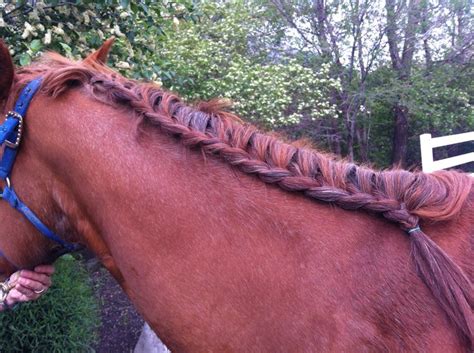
x,y
10,135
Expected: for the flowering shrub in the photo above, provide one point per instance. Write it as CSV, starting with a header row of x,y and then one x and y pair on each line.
x,y
74,29
211,51
216,57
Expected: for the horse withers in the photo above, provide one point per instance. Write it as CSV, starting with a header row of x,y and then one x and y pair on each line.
x,y
227,239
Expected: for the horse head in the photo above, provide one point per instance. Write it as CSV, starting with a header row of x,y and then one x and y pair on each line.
x,y
33,177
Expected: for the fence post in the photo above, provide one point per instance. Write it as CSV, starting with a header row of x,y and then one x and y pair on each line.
x,y
426,153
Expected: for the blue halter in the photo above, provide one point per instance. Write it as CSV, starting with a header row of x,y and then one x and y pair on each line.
x,y
10,135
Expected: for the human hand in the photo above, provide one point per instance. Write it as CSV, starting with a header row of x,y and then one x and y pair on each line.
x,y
28,285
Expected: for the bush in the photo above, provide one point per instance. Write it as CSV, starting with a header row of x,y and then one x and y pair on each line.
x,y
223,56
64,320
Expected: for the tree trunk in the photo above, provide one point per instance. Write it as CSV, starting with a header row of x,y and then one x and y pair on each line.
x,y
425,28
336,145
363,142
336,138
350,122
402,65
400,136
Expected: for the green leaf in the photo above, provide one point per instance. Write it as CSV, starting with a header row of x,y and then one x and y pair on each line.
x,y
130,36
145,8
134,7
35,45
25,59
66,48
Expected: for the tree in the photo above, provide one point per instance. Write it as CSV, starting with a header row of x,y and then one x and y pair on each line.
x,y
224,55
360,77
411,23
360,38
74,28
335,31
402,64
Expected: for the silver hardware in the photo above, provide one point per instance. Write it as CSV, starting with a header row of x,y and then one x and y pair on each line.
x,y
13,115
19,129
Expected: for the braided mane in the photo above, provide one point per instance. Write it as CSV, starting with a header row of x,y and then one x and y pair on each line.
x,y
400,196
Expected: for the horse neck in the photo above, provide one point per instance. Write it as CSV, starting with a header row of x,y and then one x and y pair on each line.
x,y
150,208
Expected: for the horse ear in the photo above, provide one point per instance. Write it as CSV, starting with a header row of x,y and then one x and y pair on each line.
x,y
100,55
7,71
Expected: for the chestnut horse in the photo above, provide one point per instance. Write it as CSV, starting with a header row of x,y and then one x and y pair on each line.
x,y
227,239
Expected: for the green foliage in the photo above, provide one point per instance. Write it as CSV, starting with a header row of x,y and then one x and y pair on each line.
x,y
439,103
74,28
223,56
246,51
215,50
65,319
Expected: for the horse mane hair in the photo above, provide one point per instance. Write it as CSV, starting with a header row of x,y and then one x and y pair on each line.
x,y
400,196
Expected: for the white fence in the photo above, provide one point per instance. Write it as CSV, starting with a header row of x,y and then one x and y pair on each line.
x,y
427,143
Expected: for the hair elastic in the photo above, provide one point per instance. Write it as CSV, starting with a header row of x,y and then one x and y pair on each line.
x,y
415,229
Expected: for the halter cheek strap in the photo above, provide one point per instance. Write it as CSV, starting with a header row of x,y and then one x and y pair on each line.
x,y
10,135
11,130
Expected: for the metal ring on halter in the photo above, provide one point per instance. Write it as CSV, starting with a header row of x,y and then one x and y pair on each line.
x,y
7,181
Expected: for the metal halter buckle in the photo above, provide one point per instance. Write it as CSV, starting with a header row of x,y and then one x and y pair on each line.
x,y
19,129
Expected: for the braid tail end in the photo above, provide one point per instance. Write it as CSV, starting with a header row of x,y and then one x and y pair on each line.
x,y
448,283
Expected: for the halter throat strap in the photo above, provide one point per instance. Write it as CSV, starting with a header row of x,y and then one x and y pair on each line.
x,y
10,135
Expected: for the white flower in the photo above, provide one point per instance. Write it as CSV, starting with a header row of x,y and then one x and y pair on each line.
x,y
175,22
33,15
117,31
25,34
124,14
58,30
28,26
29,29
47,37
123,65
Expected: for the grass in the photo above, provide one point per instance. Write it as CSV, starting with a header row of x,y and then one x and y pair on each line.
x,y
64,320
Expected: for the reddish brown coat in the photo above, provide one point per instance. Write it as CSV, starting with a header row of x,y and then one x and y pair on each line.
x,y
171,198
